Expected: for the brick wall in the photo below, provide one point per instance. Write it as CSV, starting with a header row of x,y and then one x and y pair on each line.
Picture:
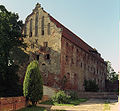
x,y
12,103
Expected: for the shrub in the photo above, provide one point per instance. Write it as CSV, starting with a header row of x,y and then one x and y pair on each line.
x,y
73,95
90,86
60,98
33,85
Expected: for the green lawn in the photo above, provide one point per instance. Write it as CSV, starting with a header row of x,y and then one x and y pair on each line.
x,y
71,102
34,108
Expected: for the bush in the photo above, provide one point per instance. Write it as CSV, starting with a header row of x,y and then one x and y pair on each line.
x,y
90,86
33,85
73,95
60,98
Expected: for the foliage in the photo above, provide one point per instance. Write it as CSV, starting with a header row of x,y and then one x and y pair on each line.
x,y
73,95
71,102
111,74
60,97
77,101
33,85
90,86
10,33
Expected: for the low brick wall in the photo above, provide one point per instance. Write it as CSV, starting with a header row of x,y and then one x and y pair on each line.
x,y
98,95
12,103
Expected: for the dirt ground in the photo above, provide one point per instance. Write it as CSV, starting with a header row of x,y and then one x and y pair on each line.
x,y
90,105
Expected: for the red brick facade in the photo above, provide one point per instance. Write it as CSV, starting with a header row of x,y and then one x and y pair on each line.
x,y
12,103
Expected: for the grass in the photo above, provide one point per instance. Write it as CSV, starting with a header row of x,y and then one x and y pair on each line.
x,y
33,108
106,106
71,102
77,101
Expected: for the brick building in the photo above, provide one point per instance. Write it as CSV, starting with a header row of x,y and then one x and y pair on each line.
x,y
64,59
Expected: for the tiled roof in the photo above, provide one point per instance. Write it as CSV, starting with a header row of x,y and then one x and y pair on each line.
x,y
73,38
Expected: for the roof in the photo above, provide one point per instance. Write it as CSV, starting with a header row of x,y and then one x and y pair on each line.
x,y
74,38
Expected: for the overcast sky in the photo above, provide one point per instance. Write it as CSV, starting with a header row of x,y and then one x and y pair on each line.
x,y
94,21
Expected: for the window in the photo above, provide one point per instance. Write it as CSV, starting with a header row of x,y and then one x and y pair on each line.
x,y
48,28
72,61
94,71
30,34
37,57
45,44
36,25
66,58
81,65
97,71
42,26
47,56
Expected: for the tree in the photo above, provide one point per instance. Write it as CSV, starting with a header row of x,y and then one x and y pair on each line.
x,y
10,39
111,74
33,85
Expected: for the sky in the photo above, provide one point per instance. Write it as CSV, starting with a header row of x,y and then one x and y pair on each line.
x,y
94,21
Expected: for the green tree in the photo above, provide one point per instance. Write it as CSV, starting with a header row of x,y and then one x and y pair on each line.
x,y
10,38
33,85
111,74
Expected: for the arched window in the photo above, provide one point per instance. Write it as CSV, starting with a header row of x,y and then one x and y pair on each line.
x,y
36,25
30,34
42,26
48,28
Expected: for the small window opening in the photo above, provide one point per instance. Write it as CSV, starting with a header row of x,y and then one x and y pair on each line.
x,y
45,44
48,56
37,57
81,64
66,58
